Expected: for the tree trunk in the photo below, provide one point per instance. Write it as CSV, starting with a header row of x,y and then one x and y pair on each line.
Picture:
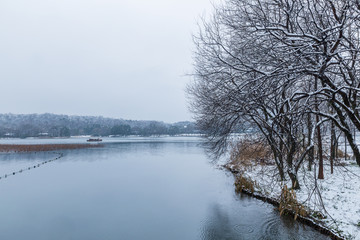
x,y
347,131
320,156
354,147
279,166
311,153
332,147
294,180
345,149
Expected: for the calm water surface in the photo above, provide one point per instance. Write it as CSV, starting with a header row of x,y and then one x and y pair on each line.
x,y
133,188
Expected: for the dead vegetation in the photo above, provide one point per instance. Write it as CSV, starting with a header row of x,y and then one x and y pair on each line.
x,y
246,152
288,202
341,154
242,183
43,147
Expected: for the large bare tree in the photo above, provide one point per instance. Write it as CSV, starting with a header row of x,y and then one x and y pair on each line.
x,y
253,59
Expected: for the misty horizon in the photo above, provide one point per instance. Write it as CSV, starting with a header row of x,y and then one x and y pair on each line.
x,y
100,116
115,59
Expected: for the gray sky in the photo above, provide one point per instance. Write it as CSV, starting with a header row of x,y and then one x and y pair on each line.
x,y
116,58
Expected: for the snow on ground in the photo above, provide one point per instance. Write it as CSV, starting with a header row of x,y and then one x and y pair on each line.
x,y
339,193
341,196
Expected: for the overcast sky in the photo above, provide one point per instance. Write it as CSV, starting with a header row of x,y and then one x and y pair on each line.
x,y
115,58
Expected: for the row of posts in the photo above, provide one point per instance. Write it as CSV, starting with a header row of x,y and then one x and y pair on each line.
x,y
35,166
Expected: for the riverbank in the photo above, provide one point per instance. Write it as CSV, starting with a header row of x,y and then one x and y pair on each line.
x,y
331,205
8,148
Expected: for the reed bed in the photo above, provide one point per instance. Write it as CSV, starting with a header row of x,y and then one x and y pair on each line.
x,y
43,147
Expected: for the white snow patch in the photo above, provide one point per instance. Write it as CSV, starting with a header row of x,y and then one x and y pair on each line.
x,y
340,193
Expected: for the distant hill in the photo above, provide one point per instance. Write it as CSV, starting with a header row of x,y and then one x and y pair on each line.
x,y
54,125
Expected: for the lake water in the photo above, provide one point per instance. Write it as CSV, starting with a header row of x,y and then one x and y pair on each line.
x,y
132,188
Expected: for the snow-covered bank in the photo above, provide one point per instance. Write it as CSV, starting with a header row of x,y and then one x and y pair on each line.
x,y
333,202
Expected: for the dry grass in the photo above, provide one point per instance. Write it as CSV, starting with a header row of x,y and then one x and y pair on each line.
x,y
242,183
246,152
43,147
341,154
288,202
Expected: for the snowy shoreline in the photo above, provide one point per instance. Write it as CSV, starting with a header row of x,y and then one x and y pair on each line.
x,y
305,220
340,196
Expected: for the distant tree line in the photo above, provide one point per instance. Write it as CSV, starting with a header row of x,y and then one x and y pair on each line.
x,y
52,125
153,129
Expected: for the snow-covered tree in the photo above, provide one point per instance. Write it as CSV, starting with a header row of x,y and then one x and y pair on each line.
x,y
276,63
